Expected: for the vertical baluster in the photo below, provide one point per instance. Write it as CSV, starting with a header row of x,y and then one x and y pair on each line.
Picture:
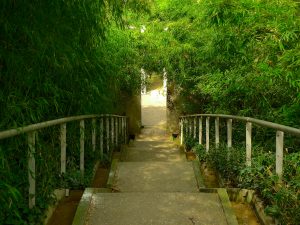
x,y
107,134
31,168
82,146
120,131
63,147
117,131
248,143
181,131
279,154
63,151
123,130
217,131
186,124
229,133
126,130
207,134
195,127
190,127
200,130
94,134
101,137
112,127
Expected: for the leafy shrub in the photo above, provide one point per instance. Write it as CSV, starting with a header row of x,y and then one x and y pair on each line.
x,y
200,151
189,143
230,164
228,56
236,57
58,58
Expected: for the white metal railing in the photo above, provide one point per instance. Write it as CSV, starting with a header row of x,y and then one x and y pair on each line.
x,y
188,125
114,126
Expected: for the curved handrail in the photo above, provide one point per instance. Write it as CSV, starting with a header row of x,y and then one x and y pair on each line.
x,y
280,129
263,123
38,126
115,125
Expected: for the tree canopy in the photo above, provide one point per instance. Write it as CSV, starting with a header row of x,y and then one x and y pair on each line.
x,y
69,57
228,56
60,58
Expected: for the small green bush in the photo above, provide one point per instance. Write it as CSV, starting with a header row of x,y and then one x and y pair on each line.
x,y
282,199
200,151
189,143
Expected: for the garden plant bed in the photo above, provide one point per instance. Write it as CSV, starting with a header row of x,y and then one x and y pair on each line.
x,y
247,206
244,213
242,197
210,176
66,208
190,155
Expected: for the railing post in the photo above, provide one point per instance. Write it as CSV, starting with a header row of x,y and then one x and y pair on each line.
x,y
82,146
117,131
124,129
195,127
186,124
31,168
63,147
279,154
181,132
101,137
229,133
94,134
120,131
207,134
248,143
217,131
107,134
200,130
112,132
190,127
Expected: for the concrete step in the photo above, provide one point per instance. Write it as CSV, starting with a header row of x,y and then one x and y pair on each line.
x,y
154,134
155,177
154,209
152,144
172,149
135,154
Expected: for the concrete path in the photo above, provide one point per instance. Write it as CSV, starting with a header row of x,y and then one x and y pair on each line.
x,y
154,111
147,154
155,177
156,209
152,183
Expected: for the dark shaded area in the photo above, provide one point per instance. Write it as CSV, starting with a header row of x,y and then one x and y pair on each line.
x,y
67,207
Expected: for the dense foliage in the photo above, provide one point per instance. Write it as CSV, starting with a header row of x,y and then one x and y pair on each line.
x,y
61,58
236,57
58,58
229,56
282,201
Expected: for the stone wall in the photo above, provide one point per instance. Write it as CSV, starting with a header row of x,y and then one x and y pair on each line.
x,y
133,112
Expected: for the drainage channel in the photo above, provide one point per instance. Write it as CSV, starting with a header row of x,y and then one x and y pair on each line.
x,y
66,208
245,214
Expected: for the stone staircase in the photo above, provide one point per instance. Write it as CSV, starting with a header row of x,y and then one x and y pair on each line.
x,y
152,183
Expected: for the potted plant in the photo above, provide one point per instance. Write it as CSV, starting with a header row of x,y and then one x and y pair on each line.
x,y
174,135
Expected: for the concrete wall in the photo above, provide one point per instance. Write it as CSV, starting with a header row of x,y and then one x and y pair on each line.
x,y
172,114
133,112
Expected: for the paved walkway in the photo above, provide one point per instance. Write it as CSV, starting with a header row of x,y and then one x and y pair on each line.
x,y
154,111
152,183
